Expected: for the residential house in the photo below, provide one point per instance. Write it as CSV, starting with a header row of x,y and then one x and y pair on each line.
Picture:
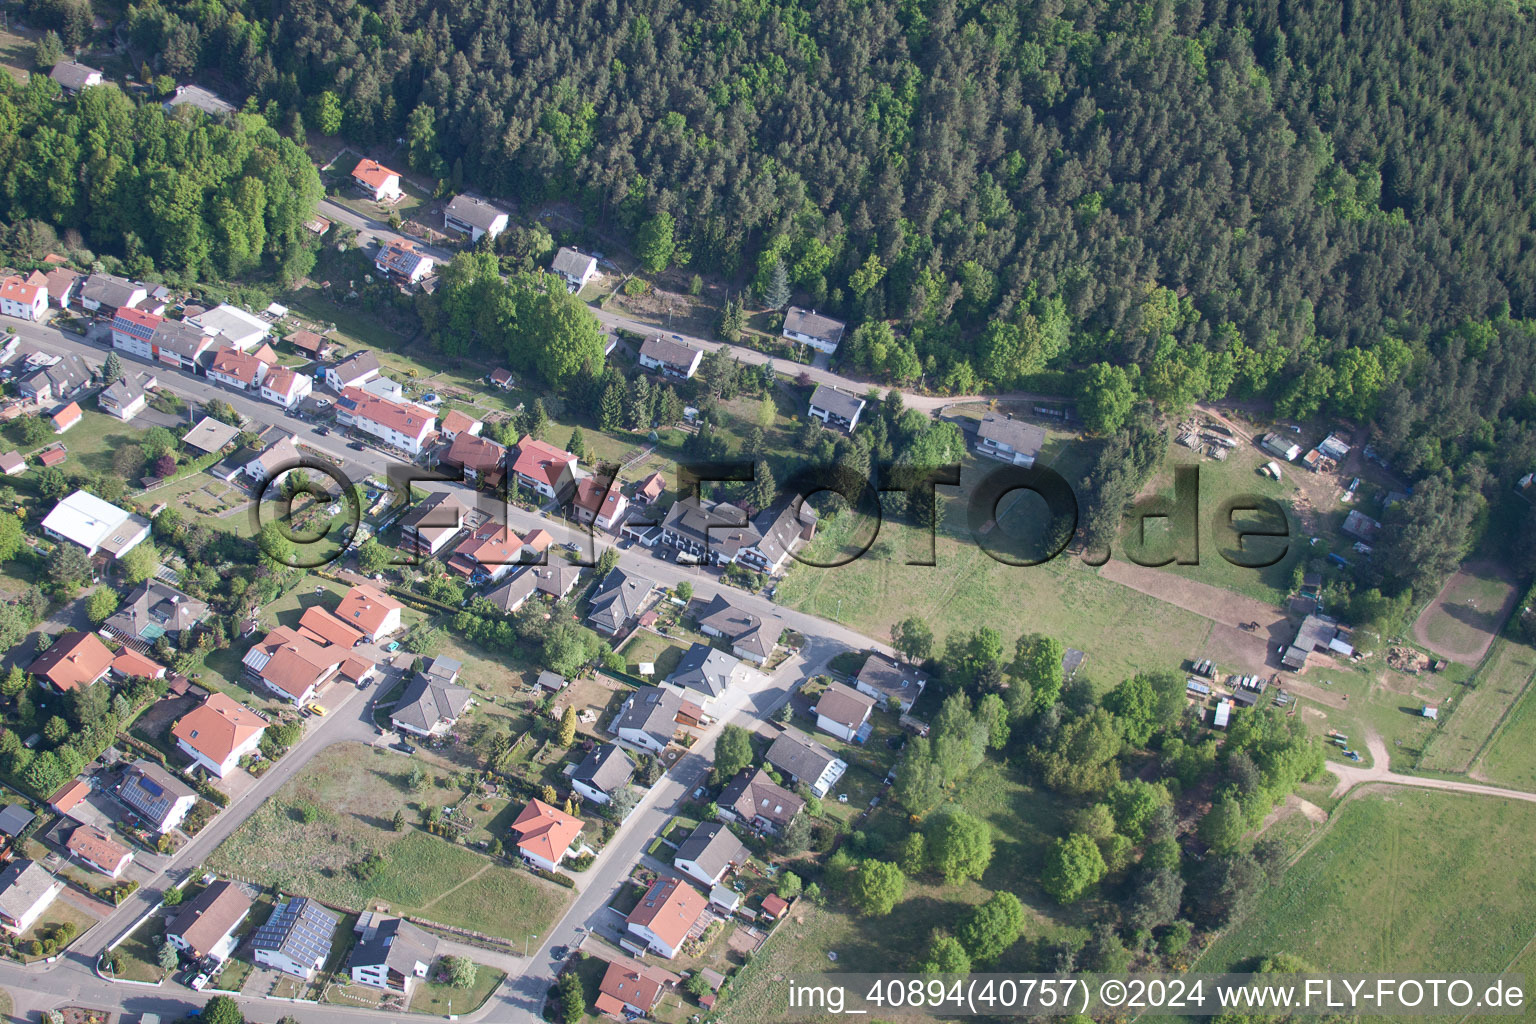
x,y
218,733
802,759
14,819
545,469
649,489
811,328
502,378
545,834
393,954
887,680
105,294
456,422
400,425
12,464
600,502
554,581
57,380
128,397
66,417
836,408
401,261
371,610
291,666
432,523
474,217
706,670
693,526
648,718
238,370
181,344
160,799
205,925
671,358
274,461
710,853
631,989
69,796
153,610
232,326
743,630
574,267
26,890
130,664
322,627
297,937
74,76
378,182
430,706
551,682
667,915
94,847
618,601
753,798
490,551
1002,437
25,298
773,537
603,772
844,712
478,458
353,371
63,286
72,662
384,387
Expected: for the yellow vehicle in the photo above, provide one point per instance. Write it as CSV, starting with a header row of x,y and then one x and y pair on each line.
x,y
317,709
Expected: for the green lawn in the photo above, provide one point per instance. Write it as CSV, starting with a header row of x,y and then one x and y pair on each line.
x,y
1122,630
138,951
1467,725
1404,882
443,1000
357,791
1510,758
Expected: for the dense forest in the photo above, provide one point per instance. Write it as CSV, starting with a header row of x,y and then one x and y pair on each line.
x,y
174,193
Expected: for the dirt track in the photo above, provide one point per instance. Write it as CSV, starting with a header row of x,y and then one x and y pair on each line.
x,y
1473,653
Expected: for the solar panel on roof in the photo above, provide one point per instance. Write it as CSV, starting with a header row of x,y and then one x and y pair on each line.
x,y
150,787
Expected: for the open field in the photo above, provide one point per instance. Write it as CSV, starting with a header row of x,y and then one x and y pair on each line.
x,y
1466,727
1462,620
1401,883
356,792
1510,757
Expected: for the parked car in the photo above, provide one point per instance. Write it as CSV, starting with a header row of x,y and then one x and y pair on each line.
x,y
357,446
317,709
322,430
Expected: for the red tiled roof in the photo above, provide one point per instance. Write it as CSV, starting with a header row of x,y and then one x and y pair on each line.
x,y
491,546
296,664
52,457
539,540
68,415
133,665
372,173
540,461
544,831
774,905
218,727
242,366
18,290
367,606
670,908
355,668
138,316
96,846
410,420
455,421
329,628
651,487
69,794
74,661
480,454
280,381
625,983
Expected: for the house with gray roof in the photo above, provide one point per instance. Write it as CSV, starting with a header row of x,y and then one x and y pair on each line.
x,y
809,327
575,267
602,773
297,937
469,215
803,760
844,712
648,718
618,601
836,408
749,639
554,581
74,76
671,358
710,853
706,670
393,954
158,797
1002,437
887,680
26,890
153,610
754,799
430,705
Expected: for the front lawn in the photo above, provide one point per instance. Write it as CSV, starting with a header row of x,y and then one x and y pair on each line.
x,y
445,1000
